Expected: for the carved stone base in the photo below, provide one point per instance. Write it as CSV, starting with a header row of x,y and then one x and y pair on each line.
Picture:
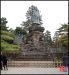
x,y
35,48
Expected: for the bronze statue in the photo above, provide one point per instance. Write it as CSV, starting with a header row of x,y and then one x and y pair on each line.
x,y
33,15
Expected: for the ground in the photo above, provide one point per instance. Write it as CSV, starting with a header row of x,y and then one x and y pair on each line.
x,y
30,70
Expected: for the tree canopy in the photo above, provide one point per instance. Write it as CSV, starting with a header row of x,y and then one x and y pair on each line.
x,y
20,31
7,38
61,37
47,37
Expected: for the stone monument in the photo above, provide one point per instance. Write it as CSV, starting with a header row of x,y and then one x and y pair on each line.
x,y
35,48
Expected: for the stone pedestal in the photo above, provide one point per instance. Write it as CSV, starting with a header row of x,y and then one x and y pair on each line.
x,y
36,32
35,48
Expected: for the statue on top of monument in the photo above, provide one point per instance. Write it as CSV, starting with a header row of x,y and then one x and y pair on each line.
x,y
33,15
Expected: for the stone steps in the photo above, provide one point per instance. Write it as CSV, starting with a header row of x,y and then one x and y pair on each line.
x,y
31,64
33,57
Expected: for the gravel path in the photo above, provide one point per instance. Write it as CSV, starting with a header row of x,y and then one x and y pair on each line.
x,y
30,70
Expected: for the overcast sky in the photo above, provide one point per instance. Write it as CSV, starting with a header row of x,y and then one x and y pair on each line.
x,y
54,13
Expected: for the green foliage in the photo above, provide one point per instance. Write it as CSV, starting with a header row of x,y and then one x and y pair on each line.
x,y
61,40
9,48
20,31
7,38
26,25
7,44
47,37
11,30
63,28
3,23
63,32
7,33
64,40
